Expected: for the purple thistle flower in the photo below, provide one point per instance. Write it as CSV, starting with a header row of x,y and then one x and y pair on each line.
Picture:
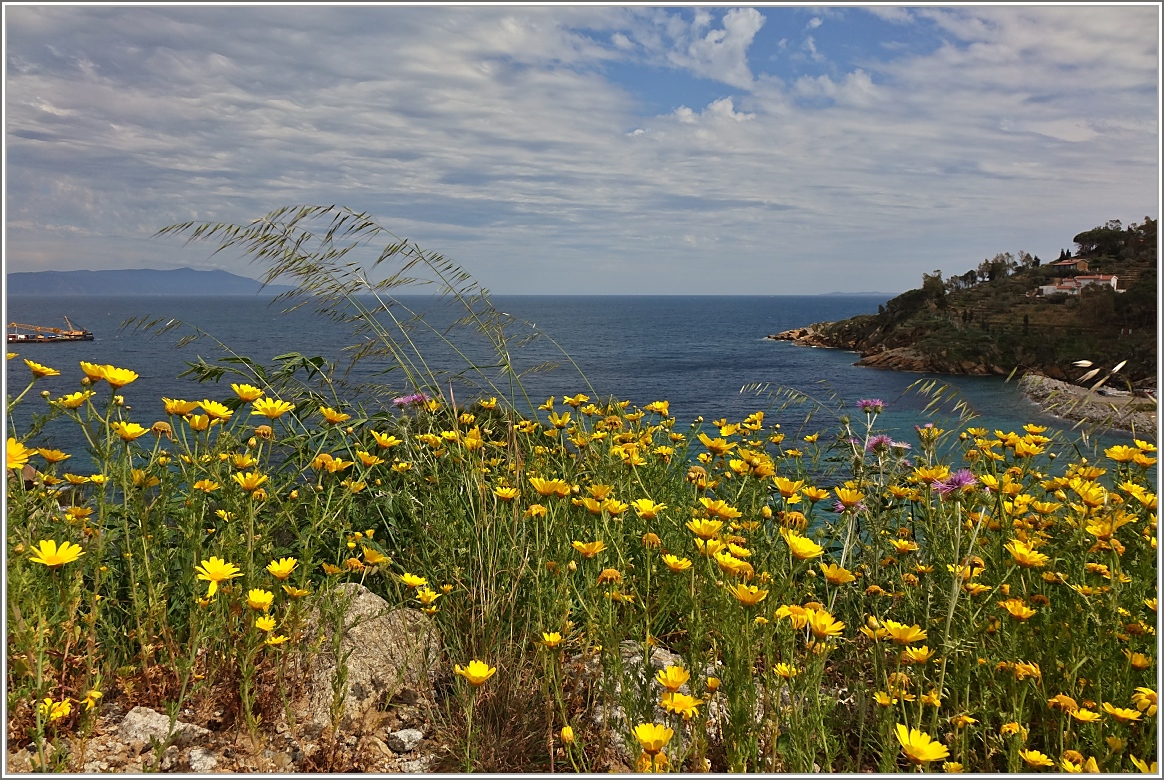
x,y
871,405
405,400
839,508
900,445
879,443
963,478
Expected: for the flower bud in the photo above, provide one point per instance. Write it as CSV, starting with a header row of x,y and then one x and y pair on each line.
x,y
567,735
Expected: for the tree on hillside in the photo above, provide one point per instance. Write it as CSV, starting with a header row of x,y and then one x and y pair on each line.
x,y
963,282
933,286
1141,240
1104,241
998,267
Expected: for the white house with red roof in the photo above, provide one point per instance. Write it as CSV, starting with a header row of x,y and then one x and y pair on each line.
x,y
1075,284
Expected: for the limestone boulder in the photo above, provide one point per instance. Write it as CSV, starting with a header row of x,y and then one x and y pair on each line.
x,y
632,677
141,724
405,740
388,652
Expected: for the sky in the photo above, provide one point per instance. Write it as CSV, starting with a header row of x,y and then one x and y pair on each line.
x,y
587,149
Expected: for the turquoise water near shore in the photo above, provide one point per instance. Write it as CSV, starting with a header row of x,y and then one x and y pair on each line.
x,y
695,351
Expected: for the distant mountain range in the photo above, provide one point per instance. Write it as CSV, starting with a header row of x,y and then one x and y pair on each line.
x,y
136,281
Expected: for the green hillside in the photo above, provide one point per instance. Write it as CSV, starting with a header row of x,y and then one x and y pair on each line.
x,y
990,320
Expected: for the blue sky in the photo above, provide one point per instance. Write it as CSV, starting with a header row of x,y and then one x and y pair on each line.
x,y
588,149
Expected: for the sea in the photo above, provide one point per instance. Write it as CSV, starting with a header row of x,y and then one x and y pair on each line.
x,y
707,355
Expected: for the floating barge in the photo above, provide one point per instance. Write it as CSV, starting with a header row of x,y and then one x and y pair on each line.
x,y
40,334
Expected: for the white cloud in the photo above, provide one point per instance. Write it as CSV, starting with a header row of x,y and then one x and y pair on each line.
x,y
724,108
1072,130
855,89
809,46
718,53
1073,37
890,13
813,23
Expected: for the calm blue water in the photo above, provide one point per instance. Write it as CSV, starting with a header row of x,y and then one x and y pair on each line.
x,y
697,352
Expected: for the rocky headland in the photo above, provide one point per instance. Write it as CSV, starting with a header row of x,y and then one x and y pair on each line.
x,y
1038,321
1017,315
877,355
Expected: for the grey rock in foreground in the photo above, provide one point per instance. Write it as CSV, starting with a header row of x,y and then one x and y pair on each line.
x,y
169,762
202,761
638,676
141,724
405,740
390,652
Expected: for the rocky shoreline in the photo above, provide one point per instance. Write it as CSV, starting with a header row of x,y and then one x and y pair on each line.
x,y
892,359
1064,400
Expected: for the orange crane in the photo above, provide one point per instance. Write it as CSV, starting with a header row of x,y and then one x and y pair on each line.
x,y
41,333
37,328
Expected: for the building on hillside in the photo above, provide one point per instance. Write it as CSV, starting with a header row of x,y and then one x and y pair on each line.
x,y
1074,284
1070,264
